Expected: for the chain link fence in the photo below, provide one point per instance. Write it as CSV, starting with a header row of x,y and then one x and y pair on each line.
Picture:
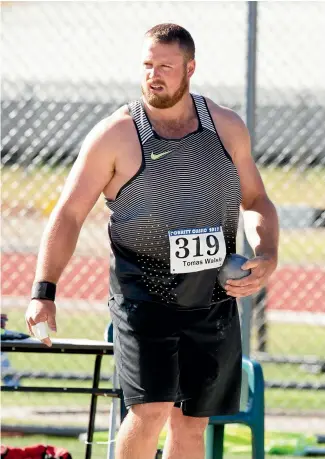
x,y
290,152
68,65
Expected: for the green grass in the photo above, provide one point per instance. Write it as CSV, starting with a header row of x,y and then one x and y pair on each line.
x,y
77,449
237,439
289,185
304,246
295,400
298,340
295,339
39,188
287,372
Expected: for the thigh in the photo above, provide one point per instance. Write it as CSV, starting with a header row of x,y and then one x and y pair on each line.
x,y
210,362
146,346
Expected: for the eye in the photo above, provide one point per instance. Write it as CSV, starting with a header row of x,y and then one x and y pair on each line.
x,y
147,65
166,66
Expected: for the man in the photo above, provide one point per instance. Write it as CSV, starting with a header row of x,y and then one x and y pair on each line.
x,y
174,169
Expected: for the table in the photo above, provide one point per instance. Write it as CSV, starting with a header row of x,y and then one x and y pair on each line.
x,y
70,346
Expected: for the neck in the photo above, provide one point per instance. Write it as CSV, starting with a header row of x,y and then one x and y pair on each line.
x,y
180,112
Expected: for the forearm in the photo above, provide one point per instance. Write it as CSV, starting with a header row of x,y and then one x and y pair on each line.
x,y
58,243
262,227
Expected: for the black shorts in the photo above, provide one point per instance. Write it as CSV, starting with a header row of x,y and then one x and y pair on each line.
x,y
190,357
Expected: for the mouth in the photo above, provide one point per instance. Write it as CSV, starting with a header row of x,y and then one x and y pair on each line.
x,y
156,88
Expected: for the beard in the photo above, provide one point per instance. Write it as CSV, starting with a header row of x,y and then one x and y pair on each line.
x,y
166,101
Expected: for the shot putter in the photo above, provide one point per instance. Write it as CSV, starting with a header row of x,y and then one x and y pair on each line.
x,y
231,269
40,330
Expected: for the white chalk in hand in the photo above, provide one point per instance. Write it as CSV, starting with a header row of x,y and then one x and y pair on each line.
x,y
40,330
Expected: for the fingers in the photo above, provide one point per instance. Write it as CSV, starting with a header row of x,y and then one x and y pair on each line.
x,y
244,287
248,285
261,269
255,279
31,322
239,292
51,322
41,314
250,281
28,326
40,332
47,341
252,263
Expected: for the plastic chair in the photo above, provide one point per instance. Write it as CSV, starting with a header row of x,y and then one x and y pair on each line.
x,y
252,416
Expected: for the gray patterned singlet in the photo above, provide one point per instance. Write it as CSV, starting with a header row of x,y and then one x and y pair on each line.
x,y
173,223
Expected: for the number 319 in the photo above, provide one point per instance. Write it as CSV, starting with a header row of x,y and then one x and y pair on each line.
x,y
211,242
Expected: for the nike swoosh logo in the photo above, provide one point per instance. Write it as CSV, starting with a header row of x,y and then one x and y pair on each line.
x,y
159,155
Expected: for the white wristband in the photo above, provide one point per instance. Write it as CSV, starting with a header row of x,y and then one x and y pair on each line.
x,y
40,330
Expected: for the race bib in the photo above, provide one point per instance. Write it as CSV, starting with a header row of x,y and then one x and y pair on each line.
x,y
196,249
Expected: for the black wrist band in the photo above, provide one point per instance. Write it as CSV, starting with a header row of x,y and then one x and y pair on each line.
x,y
43,291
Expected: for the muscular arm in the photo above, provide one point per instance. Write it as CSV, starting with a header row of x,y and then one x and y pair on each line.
x,y
91,172
259,213
94,170
260,217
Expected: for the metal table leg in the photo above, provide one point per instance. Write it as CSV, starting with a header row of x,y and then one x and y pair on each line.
x,y
93,406
112,421
112,424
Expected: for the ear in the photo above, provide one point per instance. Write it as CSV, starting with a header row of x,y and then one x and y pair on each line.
x,y
191,67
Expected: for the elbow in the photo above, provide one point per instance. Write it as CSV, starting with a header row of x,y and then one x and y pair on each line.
x,y
260,202
66,217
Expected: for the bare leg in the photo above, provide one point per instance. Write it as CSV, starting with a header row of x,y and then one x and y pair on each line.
x,y
139,432
185,438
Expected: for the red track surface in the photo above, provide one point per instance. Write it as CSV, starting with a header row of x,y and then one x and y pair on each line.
x,y
291,288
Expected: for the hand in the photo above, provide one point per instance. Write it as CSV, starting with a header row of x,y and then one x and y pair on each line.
x,y
261,269
41,311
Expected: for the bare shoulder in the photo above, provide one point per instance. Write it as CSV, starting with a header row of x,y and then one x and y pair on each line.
x,y
230,127
109,130
226,116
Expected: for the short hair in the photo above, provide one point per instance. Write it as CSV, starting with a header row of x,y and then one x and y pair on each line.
x,y
173,33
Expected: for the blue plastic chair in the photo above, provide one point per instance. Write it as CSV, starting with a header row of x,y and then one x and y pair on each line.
x,y
252,416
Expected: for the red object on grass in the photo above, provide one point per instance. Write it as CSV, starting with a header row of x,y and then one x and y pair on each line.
x,y
34,452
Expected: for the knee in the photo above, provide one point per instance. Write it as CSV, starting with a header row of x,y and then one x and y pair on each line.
x,y
153,415
191,427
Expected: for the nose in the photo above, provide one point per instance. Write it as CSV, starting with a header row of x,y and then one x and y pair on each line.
x,y
153,72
